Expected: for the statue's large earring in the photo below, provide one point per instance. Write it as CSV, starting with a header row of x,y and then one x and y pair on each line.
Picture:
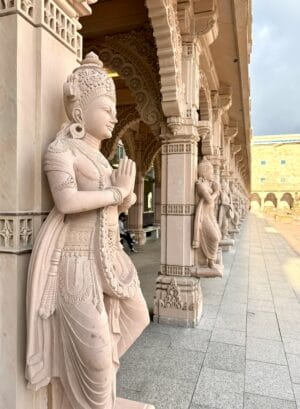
x,y
77,131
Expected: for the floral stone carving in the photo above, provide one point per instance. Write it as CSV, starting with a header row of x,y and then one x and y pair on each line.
x,y
84,303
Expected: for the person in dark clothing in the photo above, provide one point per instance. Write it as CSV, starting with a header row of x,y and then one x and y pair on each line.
x,y
125,234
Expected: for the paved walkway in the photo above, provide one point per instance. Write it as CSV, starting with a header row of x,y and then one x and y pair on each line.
x,y
246,352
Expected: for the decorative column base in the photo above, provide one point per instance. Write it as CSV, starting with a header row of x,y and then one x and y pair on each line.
x,y
178,301
130,404
226,244
139,236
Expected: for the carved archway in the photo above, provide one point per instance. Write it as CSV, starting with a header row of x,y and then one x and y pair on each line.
x,y
140,144
271,197
131,55
163,16
288,198
127,115
255,198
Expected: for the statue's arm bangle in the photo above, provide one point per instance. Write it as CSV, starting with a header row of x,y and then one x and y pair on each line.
x,y
117,194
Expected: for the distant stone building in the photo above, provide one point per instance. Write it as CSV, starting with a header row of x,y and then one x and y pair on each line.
x,y
275,171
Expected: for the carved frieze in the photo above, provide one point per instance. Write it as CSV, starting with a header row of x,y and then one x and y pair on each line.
x,y
177,209
18,230
175,270
179,148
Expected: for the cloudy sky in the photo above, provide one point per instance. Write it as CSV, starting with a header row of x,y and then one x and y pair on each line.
x,y
275,67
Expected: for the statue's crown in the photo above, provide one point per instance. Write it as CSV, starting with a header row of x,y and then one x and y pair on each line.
x,y
88,81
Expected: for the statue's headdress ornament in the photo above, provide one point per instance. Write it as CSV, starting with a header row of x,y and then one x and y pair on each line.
x,y
88,81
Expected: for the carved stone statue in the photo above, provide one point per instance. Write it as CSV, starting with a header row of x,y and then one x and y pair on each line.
x,y
207,234
235,220
225,211
225,215
85,307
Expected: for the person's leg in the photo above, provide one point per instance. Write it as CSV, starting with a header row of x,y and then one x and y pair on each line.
x,y
129,240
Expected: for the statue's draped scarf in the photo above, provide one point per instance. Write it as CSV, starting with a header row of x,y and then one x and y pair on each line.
x,y
40,332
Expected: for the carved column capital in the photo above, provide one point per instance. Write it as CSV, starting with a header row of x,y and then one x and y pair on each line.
x,y
174,124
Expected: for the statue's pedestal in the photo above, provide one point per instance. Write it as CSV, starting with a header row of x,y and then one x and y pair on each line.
x,y
234,231
207,272
226,244
130,404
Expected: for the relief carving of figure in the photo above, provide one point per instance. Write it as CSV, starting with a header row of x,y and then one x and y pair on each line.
x,y
225,211
85,307
235,221
207,234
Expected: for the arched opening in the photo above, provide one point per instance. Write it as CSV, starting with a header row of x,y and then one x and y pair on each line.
x,y
255,201
287,200
270,200
125,43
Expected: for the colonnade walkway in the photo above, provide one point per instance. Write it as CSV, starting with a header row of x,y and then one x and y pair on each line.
x,y
245,354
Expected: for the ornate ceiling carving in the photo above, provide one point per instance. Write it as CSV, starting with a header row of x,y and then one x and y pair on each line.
x,y
132,55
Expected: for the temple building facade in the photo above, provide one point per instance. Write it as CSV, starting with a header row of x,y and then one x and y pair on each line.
x,y
275,171
180,69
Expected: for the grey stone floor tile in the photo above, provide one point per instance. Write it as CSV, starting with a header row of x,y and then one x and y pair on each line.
x,y
207,323
180,364
229,336
290,329
252,401
210,311
212,299
232,321
261,295
128,393
294,365
194,406
262,325
150,339
191,339
265,350
296,388
291,345
232,307
260,305
268,380
219,389
226,357
195,339
164,393
235,297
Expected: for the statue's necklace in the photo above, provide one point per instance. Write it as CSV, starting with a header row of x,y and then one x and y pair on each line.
x,y
89,151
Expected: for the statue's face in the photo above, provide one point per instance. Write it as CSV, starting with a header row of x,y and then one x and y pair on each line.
x,y
209,173
100,117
